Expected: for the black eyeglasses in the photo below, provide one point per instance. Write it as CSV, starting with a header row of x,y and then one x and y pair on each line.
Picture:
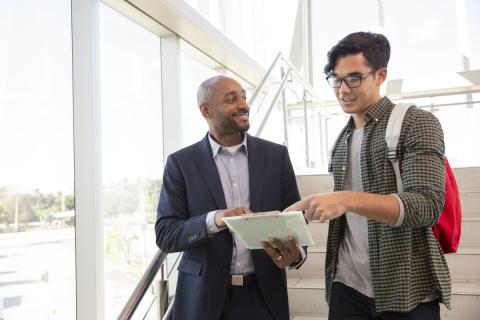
x,y
353,81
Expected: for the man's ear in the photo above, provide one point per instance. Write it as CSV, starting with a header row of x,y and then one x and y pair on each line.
x,y
205,110
381,76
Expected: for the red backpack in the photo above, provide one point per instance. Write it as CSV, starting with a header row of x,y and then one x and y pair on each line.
x,y
449,226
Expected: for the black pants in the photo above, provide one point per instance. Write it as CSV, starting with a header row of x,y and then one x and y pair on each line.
x,y
245,303
348,304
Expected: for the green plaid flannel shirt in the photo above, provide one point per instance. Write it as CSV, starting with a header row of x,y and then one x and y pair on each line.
x,y
406,262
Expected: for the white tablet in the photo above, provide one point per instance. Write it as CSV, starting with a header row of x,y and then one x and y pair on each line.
x,y
253,228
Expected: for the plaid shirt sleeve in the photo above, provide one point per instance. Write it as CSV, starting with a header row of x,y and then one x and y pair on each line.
x,y
423,168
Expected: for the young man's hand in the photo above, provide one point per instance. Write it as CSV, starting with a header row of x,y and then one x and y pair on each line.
x,y
322,207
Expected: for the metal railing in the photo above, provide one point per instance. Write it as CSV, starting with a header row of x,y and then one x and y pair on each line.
x,y
284,79
145,282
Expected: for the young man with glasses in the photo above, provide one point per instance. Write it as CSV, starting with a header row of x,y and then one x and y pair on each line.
x,y
382,260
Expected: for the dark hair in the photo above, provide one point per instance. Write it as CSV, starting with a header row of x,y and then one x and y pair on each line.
x,y
374,46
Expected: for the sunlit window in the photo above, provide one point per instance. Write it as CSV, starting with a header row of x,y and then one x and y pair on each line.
x,y
37,234
193,73
131,103
261,28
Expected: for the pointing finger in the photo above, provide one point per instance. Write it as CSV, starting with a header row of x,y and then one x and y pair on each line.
x,y
298,206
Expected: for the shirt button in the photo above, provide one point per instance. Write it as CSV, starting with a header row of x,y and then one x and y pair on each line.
x,y
343,168
231,160
376,119
234,184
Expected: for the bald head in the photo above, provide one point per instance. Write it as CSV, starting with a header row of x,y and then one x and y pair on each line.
x,y
207,88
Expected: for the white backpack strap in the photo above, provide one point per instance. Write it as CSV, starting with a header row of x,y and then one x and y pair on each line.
x,y
392,135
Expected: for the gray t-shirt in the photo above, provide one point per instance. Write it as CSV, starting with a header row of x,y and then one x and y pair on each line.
x,y
353,265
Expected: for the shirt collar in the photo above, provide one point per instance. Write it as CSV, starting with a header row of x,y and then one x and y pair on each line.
x,y
380,108
375,113
216,147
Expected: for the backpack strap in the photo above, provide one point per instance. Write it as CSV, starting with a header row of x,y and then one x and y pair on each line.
x,y
392,135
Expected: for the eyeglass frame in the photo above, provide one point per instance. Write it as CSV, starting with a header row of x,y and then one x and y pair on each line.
x,y
343,79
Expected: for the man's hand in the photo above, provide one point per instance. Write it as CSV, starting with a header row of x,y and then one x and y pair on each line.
x,y
283,255
322,207
228,213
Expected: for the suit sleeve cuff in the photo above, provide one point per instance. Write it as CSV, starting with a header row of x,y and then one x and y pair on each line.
x,y
299,263
401,216
212,227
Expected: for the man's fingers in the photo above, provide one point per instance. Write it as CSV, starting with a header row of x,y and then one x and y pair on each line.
x,y
291,242
310,215
269,249
298,206
235,212
276,256
279,244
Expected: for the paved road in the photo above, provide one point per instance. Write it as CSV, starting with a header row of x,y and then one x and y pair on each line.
x,y
37,275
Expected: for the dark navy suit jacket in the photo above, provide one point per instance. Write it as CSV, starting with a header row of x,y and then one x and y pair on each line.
x,y
192,188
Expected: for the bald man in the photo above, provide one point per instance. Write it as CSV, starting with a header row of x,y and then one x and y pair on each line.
x,y
227,173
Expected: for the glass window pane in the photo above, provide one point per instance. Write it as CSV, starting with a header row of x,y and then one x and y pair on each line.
x,y
192,73
419,47
132,155
261,28
37,234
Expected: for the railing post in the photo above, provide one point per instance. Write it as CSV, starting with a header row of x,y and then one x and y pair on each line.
x,y
162,293
320,130
305,119
285,111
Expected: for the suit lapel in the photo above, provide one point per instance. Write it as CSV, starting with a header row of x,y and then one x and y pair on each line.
x,y
255,169
206,165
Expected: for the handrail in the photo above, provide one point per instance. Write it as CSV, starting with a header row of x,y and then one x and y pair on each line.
x,y
297,73
265,77
291,70
282,84
142,286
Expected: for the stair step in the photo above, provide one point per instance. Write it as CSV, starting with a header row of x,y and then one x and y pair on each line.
x,y
470,236
307,296
319,232
470,227
465,302
463,265
314,266
468,179
470,201
320,183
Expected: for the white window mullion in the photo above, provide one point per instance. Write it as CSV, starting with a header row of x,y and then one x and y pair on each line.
x,y
87,153
171,95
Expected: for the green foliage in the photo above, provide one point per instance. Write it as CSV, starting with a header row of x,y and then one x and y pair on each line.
x,y
32,207
69,202
122,198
